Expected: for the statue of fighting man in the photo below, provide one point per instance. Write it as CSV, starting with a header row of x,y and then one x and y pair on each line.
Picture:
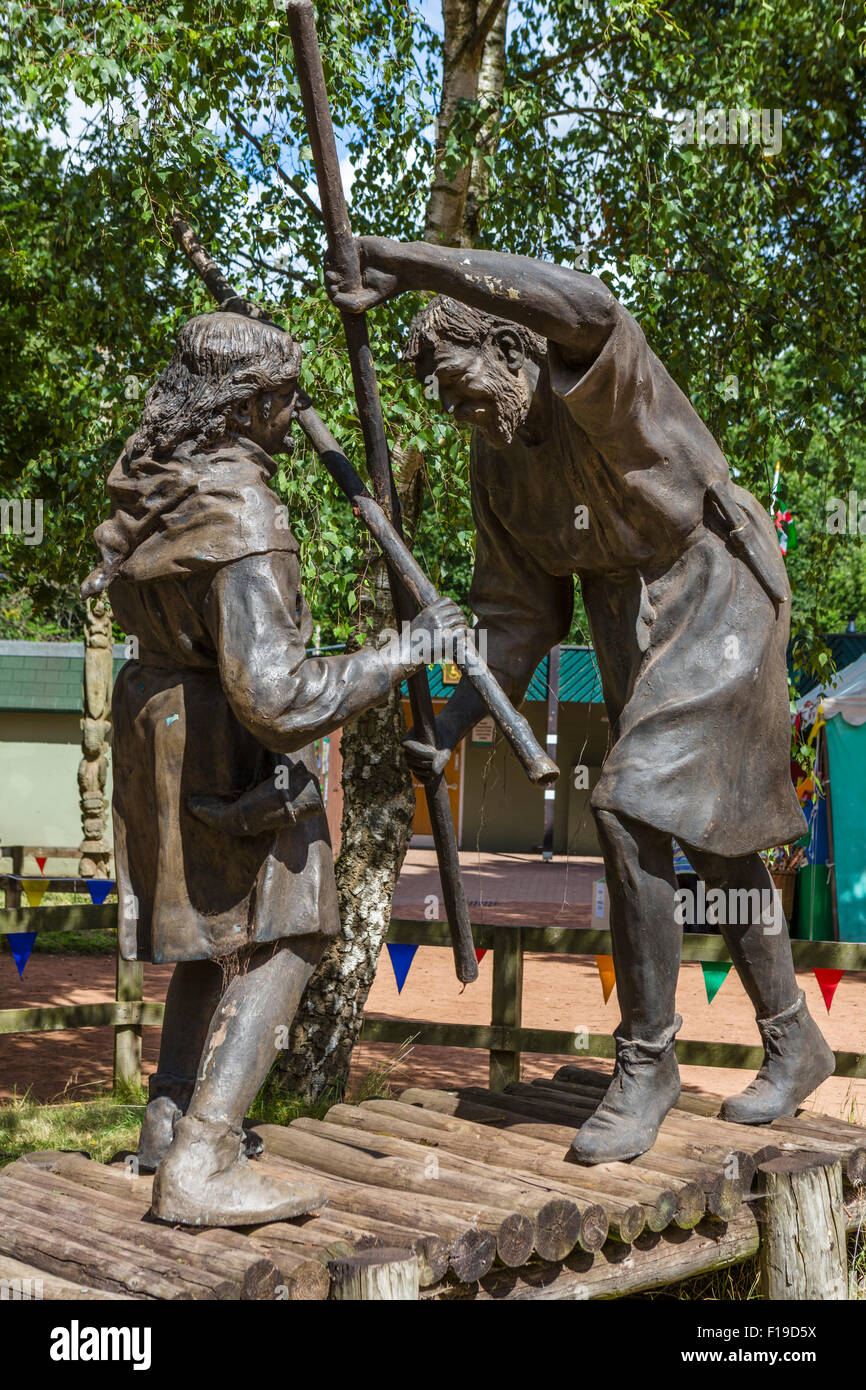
x,y
587,460
224,862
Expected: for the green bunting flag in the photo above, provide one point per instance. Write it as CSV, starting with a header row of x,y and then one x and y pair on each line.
x,y
715,974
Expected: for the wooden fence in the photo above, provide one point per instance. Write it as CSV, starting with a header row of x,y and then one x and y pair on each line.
x,y
504,1037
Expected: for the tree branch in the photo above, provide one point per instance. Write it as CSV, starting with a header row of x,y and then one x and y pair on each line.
x,y
294,184
556,60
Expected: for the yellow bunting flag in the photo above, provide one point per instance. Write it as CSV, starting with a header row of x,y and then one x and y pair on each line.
x,y
606,974
34,891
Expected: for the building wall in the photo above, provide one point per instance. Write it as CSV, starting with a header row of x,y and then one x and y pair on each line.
x,y
501,808
39,756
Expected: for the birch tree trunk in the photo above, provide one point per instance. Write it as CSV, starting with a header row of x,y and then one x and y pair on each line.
x,y
473,69
378,809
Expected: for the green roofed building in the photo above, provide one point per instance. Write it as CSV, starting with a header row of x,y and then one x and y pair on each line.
x,y
40,743
495,807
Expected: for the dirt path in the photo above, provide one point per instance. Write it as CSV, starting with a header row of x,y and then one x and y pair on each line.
x,y
559,992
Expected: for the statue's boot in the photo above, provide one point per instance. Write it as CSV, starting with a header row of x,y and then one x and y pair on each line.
x,y
193,995
205,1180
644,1087
796,1060
169,1100
796,1057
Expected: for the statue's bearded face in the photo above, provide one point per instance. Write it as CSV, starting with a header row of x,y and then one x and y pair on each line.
x,y
486,387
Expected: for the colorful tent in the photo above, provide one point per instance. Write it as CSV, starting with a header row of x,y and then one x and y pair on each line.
x,y
842,704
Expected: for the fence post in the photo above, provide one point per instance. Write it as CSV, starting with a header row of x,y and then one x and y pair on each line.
x,y
127,1036
13,892
507,1008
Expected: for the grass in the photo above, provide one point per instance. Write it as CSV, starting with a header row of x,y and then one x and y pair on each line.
x,y
110,1122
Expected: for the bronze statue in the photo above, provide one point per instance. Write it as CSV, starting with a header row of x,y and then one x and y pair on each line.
x,y
224,863
588,460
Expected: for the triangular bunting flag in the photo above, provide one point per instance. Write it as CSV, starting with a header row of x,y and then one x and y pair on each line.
x,y
401,962
34,891
606,974
715,974
480,953
40,860
21,944
99,889
827,982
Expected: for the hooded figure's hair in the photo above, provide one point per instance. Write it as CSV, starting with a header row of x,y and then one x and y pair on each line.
x,y
220,360
459,323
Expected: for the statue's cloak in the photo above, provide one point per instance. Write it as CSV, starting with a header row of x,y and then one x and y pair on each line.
x,y
189,538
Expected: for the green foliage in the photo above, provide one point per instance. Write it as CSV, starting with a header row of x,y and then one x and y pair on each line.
x,y
743,265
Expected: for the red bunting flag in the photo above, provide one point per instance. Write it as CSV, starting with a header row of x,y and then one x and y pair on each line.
x,y
480,953
827,982
40,860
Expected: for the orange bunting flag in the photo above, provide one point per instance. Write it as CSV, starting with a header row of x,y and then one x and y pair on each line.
x,y
34,891
606,974
827,982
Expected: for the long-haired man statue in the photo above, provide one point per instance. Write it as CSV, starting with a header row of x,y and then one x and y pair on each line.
x,y
224,863
588,460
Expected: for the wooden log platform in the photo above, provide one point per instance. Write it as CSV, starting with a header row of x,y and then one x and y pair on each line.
x,y
455,1195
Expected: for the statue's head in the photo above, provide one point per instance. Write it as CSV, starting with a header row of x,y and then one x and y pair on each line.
x,y
483,369
229,374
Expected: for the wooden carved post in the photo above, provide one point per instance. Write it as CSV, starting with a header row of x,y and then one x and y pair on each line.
x,y
95,734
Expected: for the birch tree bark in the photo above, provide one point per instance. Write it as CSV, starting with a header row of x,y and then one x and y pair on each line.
x,y
473,62
378,809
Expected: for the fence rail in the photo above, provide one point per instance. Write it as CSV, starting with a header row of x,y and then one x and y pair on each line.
x,y
504,1037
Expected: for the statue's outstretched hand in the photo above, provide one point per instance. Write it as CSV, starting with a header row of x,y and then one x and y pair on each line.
x,y
378,285
427,762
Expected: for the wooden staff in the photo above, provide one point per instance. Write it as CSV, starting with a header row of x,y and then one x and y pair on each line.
x,y
302,26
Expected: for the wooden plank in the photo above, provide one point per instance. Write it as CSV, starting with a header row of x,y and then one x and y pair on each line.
x,y
61,917
471,1247
53,883
619,1270
58,1017
99,1260
26,1283
581,941
303,1278
485,1037
39,1192
622,1191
